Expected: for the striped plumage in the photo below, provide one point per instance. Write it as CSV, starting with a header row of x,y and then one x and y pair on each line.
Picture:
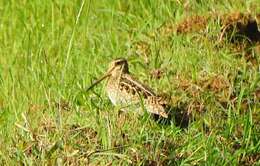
x,y
127,92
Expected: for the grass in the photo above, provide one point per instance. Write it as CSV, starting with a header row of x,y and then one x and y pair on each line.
x,y
52,50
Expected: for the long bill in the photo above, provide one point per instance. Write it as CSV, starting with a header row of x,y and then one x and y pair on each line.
x,y
98,81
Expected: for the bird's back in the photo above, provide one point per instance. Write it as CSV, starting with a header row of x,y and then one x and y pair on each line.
x,y
128,91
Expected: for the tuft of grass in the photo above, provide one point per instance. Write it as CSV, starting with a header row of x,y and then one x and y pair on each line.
x,y
52,50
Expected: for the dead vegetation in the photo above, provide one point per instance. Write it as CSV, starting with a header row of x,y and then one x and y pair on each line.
x,y
216,84
74,146
192,24
239,32
157,73
238,26
250,159
234,26
143,50
240,29
195,93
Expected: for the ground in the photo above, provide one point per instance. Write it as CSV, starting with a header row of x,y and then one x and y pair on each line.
x,y
204,55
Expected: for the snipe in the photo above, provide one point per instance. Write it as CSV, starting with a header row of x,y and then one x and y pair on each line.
x,y
125,91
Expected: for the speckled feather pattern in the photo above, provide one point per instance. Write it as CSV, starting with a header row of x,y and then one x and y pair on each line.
x,y
127,91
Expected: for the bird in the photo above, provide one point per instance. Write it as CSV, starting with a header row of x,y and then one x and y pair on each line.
x,y
124,90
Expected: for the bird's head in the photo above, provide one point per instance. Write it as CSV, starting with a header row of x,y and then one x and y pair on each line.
x,y
116,68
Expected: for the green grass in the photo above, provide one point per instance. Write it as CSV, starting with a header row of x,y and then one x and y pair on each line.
x,y
50,51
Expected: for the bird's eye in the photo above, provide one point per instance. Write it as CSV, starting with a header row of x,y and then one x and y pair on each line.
x,y
119,62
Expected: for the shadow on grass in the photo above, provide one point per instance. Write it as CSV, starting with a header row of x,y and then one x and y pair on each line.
x,y
177,115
